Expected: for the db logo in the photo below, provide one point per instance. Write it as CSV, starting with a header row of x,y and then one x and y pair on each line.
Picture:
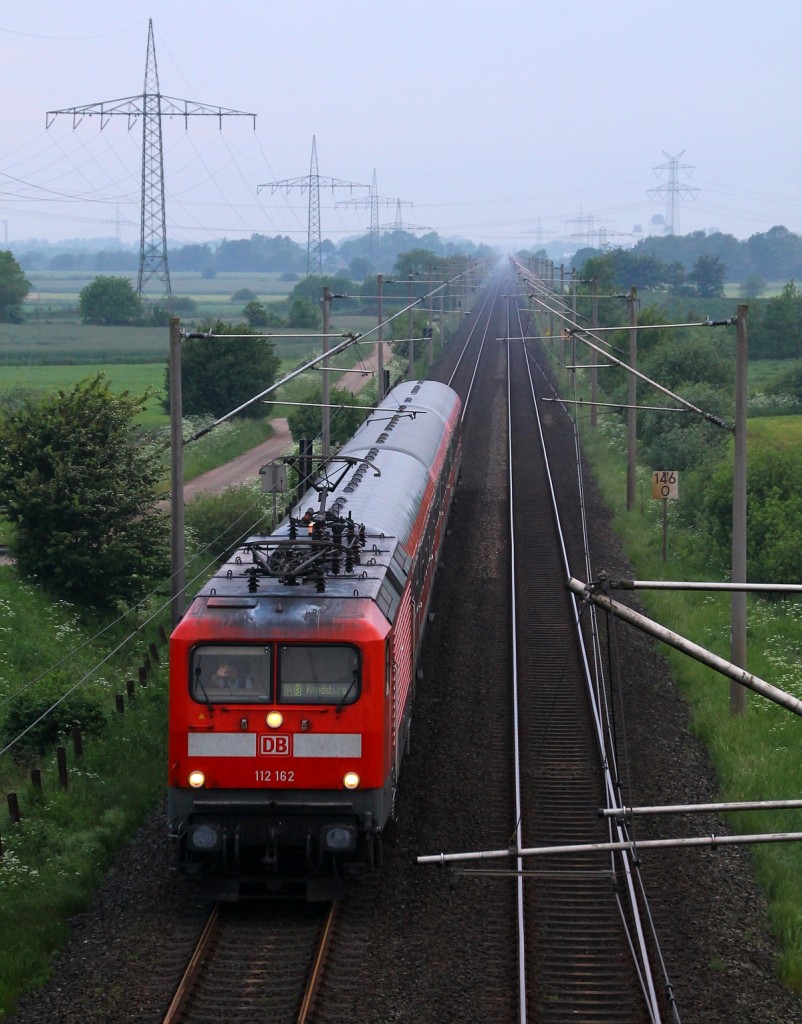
x,y
274,744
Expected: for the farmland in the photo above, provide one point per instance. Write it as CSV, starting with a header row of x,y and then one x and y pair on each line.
x,y
54,293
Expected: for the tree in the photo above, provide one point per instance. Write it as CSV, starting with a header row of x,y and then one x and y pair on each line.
x,y
778,334
219,374
110,301
244,295
708,276
14,286
304,313
359,268
753,285
307,420
80,490
255,313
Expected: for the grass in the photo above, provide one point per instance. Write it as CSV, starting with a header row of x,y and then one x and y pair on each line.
x,y
757,755
54,295
776,431
66,840
60,344
761,372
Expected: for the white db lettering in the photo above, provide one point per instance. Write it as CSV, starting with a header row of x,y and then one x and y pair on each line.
x,y
273,743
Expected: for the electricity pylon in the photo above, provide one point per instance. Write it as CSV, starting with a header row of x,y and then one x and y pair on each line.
x,y
151,106
312,182
399,225
672,190
374,201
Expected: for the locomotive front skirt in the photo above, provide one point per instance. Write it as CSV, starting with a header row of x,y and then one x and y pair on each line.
x,y
292,671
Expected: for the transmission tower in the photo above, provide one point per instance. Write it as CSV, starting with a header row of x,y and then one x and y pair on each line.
x,y
673,190
151,106
312,182
399,225
587,230
374,200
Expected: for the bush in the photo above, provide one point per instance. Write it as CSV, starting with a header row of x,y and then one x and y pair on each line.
x,y
219,521
307,420
774,494
81,492
31,710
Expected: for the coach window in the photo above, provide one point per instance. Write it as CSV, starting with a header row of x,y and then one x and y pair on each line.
x,y
231,673
318,674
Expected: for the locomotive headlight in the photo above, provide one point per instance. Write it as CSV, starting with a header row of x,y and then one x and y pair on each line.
x,y
274,720
196,779
351,780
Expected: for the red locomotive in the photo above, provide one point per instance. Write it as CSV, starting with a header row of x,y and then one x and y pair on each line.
x,y
292,671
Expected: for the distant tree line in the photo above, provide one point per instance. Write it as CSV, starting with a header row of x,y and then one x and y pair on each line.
x,y
671,261
775,324
257,254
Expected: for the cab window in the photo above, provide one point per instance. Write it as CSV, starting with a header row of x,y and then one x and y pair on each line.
x,y
231,674
318,674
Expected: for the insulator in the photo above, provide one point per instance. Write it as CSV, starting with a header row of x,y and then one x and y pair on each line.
x,y
320,586
349,563
293,529
362,537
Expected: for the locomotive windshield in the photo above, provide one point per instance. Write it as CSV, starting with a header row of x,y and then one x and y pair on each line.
x,y
222,674
306,674
319,674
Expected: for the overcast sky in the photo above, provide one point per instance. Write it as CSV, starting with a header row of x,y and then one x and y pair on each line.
x,y
508,122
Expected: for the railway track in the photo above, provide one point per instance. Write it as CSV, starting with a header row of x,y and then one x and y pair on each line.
x,y
583,933
581,949
255,962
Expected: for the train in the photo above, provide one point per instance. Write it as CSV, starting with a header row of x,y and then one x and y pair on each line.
x,y
293,670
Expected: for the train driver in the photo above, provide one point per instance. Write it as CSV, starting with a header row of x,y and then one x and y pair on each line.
x,y
229,677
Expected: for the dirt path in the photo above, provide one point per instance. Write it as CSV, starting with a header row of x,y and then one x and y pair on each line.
x,y
246,467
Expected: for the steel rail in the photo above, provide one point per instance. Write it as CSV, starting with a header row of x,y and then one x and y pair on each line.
x,y
317,967
176,1007
516,723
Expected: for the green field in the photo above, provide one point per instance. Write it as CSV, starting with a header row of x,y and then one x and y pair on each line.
x,y
777,431
54,293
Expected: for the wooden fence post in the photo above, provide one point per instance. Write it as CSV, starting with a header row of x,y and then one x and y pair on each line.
x,y
63,776
13,808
